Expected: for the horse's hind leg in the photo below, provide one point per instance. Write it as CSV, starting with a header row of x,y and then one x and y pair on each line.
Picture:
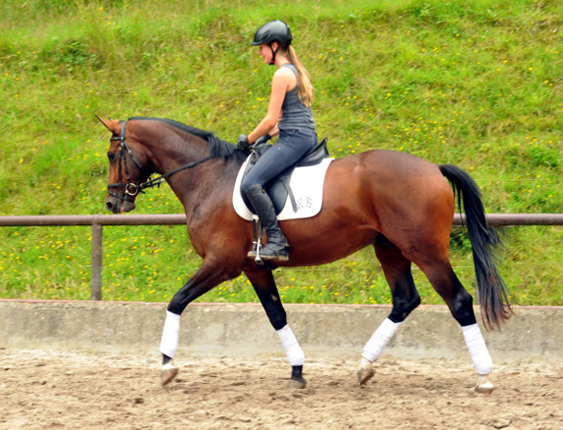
x,y
265,287
459,301
397,271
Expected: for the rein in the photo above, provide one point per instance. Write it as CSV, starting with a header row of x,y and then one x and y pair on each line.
x,y
132,189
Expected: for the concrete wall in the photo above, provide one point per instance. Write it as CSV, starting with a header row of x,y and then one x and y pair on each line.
x,y
243,330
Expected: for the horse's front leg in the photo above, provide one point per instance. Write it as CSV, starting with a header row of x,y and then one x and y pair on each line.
x,y
208,276
265,287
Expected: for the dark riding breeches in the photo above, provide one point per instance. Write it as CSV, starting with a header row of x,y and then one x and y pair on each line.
x,y
291,146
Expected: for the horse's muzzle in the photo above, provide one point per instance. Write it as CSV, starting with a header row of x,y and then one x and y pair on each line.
x,y
116,205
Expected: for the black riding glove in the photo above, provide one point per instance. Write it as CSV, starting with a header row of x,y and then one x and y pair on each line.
x,y
263,139
242,142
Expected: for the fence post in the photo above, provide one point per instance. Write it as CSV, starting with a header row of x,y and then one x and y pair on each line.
x,y
97,254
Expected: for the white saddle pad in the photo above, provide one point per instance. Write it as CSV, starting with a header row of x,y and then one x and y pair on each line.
x,y
307,186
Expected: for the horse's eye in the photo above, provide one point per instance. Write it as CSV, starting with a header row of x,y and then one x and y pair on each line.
x,y
111,156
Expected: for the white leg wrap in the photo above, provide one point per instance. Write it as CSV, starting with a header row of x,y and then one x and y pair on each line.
x,y
382,335
480,356
295,354
170,334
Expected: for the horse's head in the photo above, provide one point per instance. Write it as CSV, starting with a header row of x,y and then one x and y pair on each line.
x,y
126,167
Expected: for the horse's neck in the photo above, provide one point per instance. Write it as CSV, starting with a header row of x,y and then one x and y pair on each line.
x,y
168,154
195,182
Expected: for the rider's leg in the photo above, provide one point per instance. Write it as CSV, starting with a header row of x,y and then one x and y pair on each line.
x,y
276,249
287,151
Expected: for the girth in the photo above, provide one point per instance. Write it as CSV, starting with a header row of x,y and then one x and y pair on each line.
x,y
278,188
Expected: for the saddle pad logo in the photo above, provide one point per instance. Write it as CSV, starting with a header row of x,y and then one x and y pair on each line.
x,y
307,186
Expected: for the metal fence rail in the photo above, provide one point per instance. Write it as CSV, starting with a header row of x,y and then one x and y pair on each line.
x,y
98,221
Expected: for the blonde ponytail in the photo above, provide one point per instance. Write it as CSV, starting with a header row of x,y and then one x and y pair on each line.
x,y
306,90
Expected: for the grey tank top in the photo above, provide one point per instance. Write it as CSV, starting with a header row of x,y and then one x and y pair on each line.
x,y
295,114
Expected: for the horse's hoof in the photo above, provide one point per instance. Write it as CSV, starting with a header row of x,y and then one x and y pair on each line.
x,y
365,375
365,371
168,373
297,383
484,386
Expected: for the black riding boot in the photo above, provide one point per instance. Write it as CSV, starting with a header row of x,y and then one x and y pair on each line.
x,y
276,249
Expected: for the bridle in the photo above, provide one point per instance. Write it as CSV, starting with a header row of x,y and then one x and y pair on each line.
x,y
130,188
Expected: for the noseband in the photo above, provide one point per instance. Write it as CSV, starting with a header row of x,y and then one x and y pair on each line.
x,y
130,188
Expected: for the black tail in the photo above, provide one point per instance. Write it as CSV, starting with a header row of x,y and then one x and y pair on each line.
x,y
493,292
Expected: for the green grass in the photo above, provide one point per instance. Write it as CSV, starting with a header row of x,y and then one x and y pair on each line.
x,y
475,83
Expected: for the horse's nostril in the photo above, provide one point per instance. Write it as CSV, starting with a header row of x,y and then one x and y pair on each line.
x,y
109,206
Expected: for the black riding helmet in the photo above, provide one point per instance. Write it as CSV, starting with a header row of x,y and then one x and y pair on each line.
x,y
273,31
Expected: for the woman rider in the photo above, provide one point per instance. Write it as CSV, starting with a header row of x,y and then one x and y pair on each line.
x,y
290,116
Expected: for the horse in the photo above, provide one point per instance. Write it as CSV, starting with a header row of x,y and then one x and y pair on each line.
x,y
398,203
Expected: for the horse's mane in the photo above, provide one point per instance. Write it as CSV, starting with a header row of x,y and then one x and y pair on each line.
x,y
219,148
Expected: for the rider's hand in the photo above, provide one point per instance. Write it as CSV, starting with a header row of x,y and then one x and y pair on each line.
x,y
242,142
263,139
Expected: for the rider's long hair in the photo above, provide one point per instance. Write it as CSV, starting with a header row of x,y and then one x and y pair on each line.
x,y
306,90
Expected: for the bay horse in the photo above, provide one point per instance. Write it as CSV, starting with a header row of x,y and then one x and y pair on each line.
x,y
398,203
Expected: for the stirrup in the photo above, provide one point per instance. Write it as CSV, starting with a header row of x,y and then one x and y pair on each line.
x,y
254,252
257,243
279,255
259,258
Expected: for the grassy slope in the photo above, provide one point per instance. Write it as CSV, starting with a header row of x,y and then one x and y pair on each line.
x,y
475,83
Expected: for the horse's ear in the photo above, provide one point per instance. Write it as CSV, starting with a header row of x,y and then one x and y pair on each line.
x,y
111,124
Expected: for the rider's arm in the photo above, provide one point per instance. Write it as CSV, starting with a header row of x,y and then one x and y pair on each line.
x,y
283,80
274,131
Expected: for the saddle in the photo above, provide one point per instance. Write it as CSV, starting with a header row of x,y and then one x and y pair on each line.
x,y
278,188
